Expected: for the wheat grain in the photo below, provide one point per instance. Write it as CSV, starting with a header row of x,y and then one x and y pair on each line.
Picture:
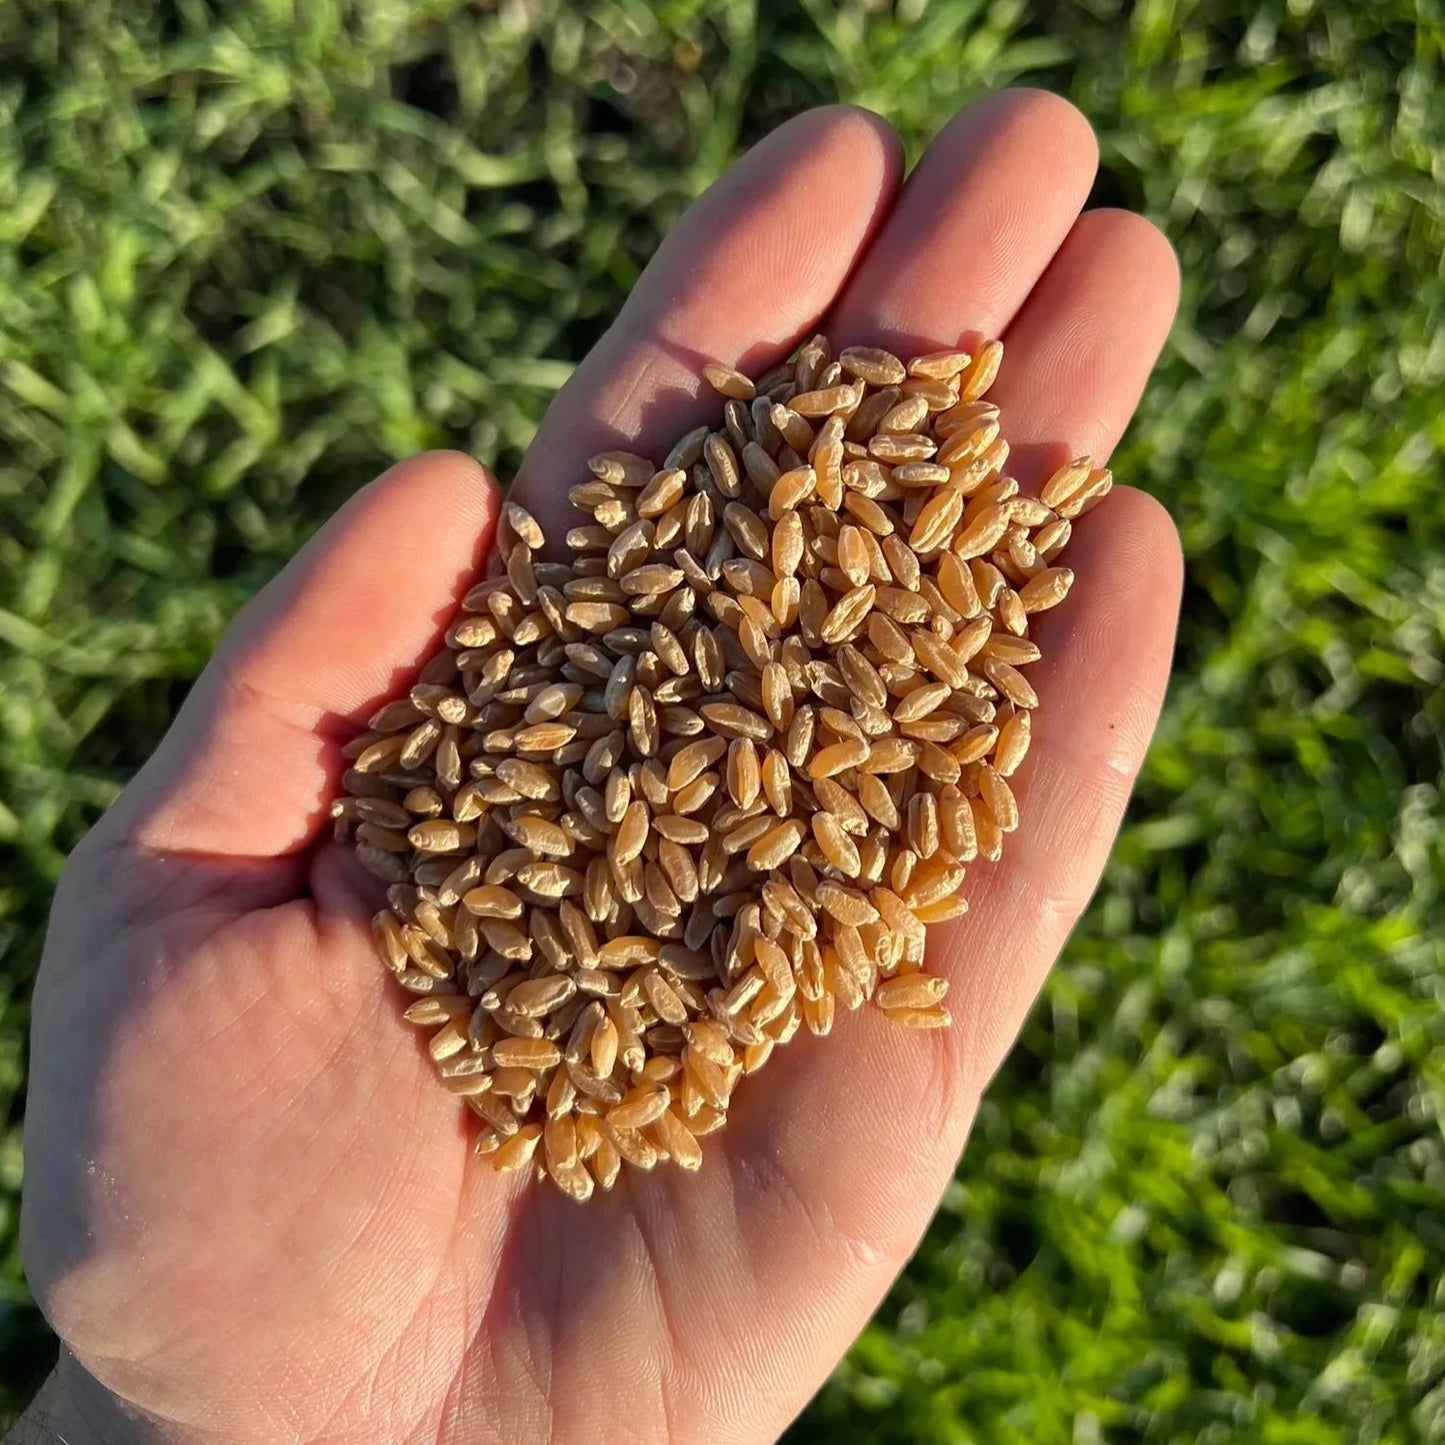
x,y
517,1152
728,382
940,365
640,1107
654,808
1046,588
920,1018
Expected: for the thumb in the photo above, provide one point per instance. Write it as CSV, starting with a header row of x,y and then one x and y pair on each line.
x,y
248,767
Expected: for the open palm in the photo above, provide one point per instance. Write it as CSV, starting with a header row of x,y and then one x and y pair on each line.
x,y
249,1211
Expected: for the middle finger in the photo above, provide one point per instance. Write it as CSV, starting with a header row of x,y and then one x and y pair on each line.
x,y
977,224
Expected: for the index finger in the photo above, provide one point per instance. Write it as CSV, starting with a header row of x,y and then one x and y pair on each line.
x,y
747,273
751,267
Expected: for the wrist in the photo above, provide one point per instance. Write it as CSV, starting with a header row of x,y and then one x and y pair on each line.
x,y
73,1408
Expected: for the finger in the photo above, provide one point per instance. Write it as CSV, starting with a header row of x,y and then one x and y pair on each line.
x,y
1101,681
1077,358
251,761
837,1153
838,1158
978,222
747,272
1106,654
749,269
1078,354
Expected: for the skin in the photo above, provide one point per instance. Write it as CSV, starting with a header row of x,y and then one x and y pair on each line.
x,y
249,1212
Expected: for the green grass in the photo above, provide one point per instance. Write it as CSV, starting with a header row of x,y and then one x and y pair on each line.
x,y
249,253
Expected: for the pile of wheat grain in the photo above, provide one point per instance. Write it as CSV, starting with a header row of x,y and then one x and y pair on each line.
x,y
659,805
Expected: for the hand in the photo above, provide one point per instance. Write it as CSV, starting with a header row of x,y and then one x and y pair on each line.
x,y
251,1214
